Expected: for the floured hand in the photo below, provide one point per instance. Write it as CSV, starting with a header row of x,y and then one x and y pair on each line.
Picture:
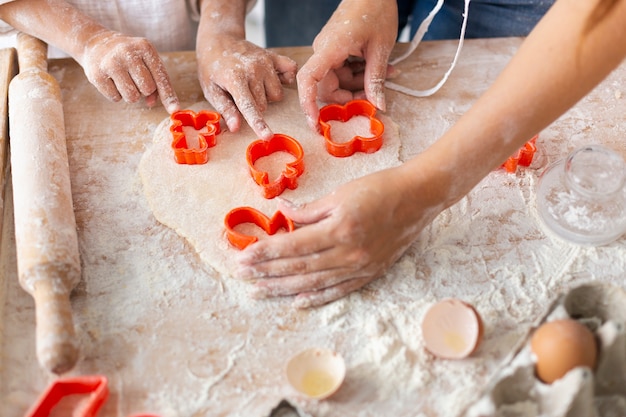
x,y
357,29
344,241
128,68
239,78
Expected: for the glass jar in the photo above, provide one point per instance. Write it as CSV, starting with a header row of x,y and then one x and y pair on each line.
x,y
583,198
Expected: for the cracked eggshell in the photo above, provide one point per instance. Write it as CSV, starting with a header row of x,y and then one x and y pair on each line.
x,y
452,329
316,373
560,346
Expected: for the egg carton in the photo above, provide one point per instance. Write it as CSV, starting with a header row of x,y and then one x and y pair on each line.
x,y
515,391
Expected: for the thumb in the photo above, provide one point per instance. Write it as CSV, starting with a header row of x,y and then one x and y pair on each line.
x,y
375,75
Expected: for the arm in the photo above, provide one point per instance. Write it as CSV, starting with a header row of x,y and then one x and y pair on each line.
x,y
237,77
338,250
121,67
364,29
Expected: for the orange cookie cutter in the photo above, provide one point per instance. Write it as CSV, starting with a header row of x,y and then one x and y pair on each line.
x,y
523,157
96,386
242,215
345,113
289,176
204,118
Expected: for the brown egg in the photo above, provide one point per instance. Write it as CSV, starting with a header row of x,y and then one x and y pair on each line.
x,y
452,329
560,346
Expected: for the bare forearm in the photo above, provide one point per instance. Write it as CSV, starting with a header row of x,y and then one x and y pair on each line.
x,y
55,21
555,67
222,17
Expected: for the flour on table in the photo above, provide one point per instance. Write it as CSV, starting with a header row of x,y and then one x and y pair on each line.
x,y
194,199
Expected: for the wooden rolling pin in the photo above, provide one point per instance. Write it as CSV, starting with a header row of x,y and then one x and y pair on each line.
x,y
48,261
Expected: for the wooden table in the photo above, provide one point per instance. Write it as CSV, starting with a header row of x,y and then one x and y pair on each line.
x,y
173,339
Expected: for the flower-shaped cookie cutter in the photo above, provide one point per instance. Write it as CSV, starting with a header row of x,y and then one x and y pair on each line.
x,y
95,386
242,215
289,176
523,157
344,113
183,154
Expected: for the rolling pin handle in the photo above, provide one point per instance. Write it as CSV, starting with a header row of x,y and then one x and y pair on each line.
x,y
33,53
57,350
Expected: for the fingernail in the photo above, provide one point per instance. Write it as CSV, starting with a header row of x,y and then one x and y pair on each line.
x,y
266,134
245,273
393,72
172,105
258,293
301,302
288,203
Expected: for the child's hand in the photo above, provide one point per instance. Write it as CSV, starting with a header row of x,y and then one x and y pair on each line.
x,y
239,78
128,68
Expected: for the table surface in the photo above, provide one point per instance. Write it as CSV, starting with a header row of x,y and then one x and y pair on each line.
x,y
174,339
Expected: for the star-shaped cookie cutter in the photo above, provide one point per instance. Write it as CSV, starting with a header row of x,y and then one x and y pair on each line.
x,y
345,113
289,176
96,386
523,157
204,118
242,215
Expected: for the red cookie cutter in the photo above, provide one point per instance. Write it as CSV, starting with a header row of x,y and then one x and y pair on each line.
x,y
96,386
203,118
289,177
242,215
345,113
523,157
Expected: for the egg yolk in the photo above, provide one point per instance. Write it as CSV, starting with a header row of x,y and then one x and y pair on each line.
x,y
317,382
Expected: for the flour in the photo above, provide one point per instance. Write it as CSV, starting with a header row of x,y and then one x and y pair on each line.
x,y
175,338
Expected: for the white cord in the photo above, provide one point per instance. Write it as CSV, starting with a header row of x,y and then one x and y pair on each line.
x,y
421,31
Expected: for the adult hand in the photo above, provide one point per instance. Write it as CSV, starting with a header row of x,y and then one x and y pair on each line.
x,y
337,248
358,29
128,68
239,78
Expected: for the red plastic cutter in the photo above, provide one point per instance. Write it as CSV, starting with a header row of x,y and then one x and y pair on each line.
x,y
345,113
204,118
289,177
94,386
523,157
242,215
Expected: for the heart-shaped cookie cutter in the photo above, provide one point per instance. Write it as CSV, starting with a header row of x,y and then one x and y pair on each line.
x,y
344,113
96,386
242,215
204,118
289,176
523,157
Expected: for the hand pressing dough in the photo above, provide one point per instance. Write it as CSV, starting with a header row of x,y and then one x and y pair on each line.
x,y
194,199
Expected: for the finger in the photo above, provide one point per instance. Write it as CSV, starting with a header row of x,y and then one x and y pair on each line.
x,y
309,240
306,213
163,85
375,74
224,104
258,94
329,91
108,89
292,285
141,76
126,86
286,68
327,295
152,99
349,80
250,111
273,88
311,73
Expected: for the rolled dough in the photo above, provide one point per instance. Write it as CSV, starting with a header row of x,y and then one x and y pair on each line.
x,y
194,199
